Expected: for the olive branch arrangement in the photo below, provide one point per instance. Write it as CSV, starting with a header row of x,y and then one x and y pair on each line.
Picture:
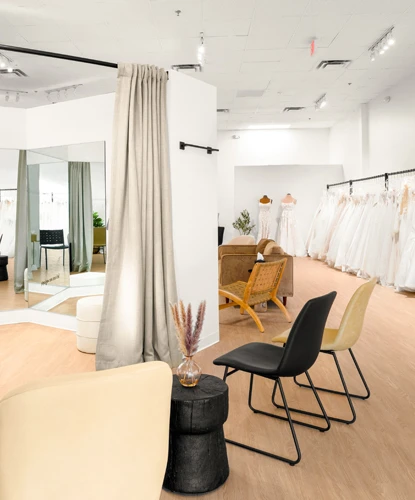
x,y
187,334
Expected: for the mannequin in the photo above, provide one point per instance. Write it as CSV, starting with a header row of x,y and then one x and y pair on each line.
x,y
264,200
288,199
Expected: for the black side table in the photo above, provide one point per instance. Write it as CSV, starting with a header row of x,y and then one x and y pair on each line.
x,y
198,462
4,260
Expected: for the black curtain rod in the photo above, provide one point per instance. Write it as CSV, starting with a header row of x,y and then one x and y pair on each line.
x,y
380,176
56,55
184,145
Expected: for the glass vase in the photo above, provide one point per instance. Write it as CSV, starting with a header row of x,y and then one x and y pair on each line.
x,y
189,372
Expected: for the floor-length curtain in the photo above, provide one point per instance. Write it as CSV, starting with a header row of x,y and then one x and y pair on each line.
x,y
22,224
33,203
80,215
136,325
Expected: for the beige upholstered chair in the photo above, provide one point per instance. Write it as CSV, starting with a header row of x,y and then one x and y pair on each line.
x,y
242,240
101,435
262,286
342,339
235,261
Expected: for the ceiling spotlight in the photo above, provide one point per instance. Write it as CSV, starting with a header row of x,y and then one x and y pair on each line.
x,y
7,97
65,94
381,51
391,41
372,56
2,63
48,96
17,97
201,49
321,102
58,95
9,70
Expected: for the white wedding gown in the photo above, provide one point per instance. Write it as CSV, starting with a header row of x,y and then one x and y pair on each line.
x,y
264,221
288,235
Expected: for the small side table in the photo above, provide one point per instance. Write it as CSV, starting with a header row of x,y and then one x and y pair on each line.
x,y
4,260
198,461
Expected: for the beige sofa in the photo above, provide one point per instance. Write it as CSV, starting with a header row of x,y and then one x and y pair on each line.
x,y
90,436
235,262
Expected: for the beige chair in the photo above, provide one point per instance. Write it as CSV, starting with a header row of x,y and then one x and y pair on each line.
x,y
100,240
262,286
242,240
235,262
101,435
342,339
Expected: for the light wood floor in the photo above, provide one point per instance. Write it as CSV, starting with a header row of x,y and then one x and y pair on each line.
x,y
10,300
370,460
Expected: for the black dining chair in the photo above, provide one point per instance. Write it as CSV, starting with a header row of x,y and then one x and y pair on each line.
x,y
51,239
274,362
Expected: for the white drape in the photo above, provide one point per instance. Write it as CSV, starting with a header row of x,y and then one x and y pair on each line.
x,y
136,325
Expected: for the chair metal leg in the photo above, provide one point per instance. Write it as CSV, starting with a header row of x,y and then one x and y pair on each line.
x,y
346,393
323,411
46,257
357,396
290,421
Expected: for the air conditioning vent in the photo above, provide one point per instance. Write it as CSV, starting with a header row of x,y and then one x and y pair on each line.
x,y
250,93
292,108
223,110
334,63
187,67
15,72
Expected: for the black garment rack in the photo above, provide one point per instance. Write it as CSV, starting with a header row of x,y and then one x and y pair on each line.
x,y
8,189
380,176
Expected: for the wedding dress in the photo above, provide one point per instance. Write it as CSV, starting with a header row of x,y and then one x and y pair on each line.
x,y
405,277
264,223
288,236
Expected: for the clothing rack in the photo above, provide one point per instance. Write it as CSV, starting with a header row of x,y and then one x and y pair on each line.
x,y
184,145
380,176
9,189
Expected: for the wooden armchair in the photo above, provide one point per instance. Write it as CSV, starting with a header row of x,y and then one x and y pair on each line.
x,y
262,286
236,261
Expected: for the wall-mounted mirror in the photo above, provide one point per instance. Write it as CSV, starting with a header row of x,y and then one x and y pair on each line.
x,y
67,214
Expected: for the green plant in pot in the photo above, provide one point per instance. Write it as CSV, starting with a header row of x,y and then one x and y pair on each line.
x,y
244,223
97,221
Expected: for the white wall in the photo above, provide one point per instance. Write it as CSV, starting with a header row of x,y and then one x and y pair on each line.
x,y
12,128
305,182
379,137
264,147
9,159
191,112
346,145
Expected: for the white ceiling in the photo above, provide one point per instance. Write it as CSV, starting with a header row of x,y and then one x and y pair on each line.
x,y
250,45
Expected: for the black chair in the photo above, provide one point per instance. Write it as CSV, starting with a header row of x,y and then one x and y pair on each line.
x,y
273,362
51,239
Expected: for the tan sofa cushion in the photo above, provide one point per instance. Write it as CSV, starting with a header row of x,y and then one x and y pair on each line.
x,y
262,244
272,248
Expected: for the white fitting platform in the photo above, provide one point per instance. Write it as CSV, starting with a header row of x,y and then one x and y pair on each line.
x,y
88,318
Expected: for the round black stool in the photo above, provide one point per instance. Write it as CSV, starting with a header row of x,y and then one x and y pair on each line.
x,y
198,461
4,260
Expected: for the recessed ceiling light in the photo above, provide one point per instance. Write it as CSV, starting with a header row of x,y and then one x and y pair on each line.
x,y
270,126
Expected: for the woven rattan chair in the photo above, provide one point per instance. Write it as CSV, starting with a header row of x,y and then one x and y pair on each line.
x,y
262,286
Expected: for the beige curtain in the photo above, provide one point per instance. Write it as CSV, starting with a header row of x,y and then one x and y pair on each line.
x,y
22,224
136,325
80,215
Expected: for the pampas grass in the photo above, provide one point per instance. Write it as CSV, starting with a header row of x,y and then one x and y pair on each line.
x,y
188,335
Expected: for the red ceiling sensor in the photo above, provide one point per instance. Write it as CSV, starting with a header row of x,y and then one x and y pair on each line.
x,y
312,47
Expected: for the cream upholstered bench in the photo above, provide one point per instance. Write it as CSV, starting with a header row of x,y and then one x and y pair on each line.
x,y
88,318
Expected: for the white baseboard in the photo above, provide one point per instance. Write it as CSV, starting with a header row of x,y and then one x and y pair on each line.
x,y
54,320
208,341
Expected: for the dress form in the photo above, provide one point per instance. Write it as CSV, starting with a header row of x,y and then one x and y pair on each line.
x,y
288,199
264,200
264,222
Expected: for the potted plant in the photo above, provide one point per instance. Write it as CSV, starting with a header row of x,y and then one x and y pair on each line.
x,y
99,233
189,372
244,223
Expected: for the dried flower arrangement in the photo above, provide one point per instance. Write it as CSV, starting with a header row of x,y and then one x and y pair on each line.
x,y
187,335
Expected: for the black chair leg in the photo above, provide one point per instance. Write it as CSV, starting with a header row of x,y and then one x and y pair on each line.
x,y
63,257
46,257
290,421
323,411
357,396
346,393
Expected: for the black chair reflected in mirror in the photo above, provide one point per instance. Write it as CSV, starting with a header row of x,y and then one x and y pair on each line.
x,y
273,362
51,239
